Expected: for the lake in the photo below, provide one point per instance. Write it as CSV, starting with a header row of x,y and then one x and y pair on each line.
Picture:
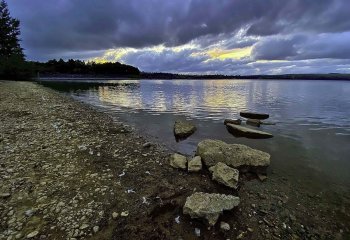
x,y
311,142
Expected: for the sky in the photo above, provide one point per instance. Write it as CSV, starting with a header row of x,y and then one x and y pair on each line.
x,y
234,37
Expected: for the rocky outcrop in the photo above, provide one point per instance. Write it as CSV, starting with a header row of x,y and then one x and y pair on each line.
x,y
209,206
253,115
239,131
225,175
233,121
183,129
195,164
234,155
178,161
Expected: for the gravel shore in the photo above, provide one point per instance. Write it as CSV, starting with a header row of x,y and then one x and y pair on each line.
x,y
70,172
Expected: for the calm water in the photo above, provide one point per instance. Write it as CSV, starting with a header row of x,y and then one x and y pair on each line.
x,y
312,134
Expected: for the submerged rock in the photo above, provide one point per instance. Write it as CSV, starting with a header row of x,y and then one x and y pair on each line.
x,y
234,155
195,164
209,205
178,161
253,115
225,174
254,122
239,131
183,129
233,121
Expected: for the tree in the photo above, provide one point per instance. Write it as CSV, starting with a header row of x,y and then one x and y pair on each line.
x,y
12,62
9,33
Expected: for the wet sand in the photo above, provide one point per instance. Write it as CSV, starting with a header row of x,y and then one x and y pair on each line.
x,y
68,171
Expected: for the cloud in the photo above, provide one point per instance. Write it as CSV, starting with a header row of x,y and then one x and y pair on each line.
x,y
155,35
300,47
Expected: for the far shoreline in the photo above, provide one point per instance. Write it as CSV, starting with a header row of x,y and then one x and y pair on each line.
x,y
170,76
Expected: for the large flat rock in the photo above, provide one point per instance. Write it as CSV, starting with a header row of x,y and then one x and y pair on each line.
x,y
254,115
234,155
240,131
209,205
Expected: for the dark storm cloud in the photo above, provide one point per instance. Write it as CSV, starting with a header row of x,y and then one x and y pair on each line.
x,y
50,28
299,47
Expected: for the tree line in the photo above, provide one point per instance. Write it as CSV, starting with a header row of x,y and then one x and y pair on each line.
x,y
78,67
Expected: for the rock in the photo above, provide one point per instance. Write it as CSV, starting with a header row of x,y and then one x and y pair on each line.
x,y
225,226
254,122
96,229
5,195
83,226
254,115
233,121
147,145
209,205
225,174
33,234
178,161
239,131
124,214
195,164
233,155
115,215
183,129
262,177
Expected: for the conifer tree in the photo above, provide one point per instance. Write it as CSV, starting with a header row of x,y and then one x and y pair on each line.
x,y
9,33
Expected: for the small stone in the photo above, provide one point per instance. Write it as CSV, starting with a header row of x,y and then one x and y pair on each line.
x,y
225,226
250,230
96,229
5,195
195,164
124,214
115,215
262,177
147,145
32,234
83,226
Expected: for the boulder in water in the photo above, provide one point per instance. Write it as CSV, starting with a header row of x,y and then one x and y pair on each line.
x,y
183,129
233,121
253,115
239,131
254,122
209,205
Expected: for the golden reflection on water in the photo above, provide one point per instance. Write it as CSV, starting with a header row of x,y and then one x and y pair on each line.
x,y
210,96
120,97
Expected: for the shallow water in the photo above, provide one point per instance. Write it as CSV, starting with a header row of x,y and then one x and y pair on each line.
x,y
311,141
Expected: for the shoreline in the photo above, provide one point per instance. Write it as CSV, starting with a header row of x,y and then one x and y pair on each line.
x,y
59,155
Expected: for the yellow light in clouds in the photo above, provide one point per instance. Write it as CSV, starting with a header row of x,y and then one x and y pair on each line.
x,y
112,55
236,53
